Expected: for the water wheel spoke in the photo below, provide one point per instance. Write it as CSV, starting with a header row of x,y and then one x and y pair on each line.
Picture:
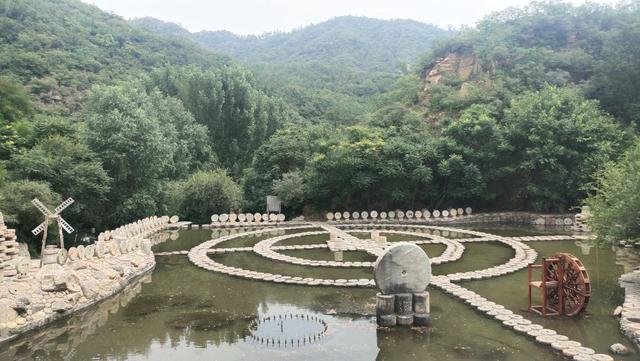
x,y
575,290
570,274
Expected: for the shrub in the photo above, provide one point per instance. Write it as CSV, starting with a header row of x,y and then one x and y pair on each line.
x,y
615,202
208,192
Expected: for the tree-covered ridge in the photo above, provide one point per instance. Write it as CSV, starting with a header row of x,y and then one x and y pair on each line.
x,y
498,116
59,48
328,71
511,98
127,122
350,41
591,47
516,114
364,43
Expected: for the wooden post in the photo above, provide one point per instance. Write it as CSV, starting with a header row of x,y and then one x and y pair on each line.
x,y
545,269
561,261
529,284
61,234
44,238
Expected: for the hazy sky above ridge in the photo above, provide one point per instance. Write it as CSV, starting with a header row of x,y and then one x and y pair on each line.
x,y
257,17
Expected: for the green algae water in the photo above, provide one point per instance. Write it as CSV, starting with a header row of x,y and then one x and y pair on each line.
x,y
181,312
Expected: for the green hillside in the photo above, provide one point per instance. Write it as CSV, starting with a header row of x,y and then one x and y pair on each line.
x,y
591,48
121,119
139,118
360,42
328,71
59,48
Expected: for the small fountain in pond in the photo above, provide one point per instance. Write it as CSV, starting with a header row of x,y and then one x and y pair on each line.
x,y
288,330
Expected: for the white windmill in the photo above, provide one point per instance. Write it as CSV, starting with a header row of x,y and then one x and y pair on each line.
x,y
52,216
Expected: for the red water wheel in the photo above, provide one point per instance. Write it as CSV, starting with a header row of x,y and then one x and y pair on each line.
x,y
565,286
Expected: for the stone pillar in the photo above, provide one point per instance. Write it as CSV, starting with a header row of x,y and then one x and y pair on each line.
x,y
385,306
421,302
421,309
404,303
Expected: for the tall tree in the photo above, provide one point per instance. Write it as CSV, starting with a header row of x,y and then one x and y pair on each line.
x,y
239,116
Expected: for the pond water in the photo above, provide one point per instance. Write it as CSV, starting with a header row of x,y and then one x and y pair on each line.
x,y
182,312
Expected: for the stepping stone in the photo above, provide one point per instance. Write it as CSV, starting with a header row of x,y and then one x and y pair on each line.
x,y
561,345
503,317
599,357
510,323
524,328
573,351
536,333
549,339
583,357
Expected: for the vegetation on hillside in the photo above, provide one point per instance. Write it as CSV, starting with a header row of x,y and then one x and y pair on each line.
x,y
519,113
328,71
115,116
615,203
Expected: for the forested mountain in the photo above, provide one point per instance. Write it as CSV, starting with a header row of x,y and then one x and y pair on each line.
x,y
329,71
517,80
122,119
520,112
59,48
364,43
592,48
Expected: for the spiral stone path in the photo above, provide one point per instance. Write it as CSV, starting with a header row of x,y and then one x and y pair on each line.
x,y
341,238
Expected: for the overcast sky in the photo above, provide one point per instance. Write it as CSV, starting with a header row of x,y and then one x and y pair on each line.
x,y
259,16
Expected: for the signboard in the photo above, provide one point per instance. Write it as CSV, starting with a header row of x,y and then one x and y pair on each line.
x,y
274,204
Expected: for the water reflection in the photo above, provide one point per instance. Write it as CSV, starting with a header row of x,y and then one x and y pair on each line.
x,y
191,314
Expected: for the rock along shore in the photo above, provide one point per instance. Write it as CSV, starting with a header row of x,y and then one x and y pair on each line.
x,y
74,280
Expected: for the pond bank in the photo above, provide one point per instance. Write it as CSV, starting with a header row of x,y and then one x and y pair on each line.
x,y
630,315
75,280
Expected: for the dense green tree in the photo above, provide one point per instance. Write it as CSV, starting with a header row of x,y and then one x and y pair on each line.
x,y
193,149
290,190
479,139
288,150
615,200
71,170
206,193
124,128
365,169
18,211
617,77
239,117
557,141
15,106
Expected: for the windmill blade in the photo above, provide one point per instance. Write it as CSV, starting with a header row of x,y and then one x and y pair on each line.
x,y
41,207
65,225
63,205
39,229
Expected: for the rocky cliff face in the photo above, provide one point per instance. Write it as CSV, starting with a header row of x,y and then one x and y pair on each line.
x,y
462,63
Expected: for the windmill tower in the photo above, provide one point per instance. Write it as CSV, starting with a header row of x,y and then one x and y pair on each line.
x,y
52,216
